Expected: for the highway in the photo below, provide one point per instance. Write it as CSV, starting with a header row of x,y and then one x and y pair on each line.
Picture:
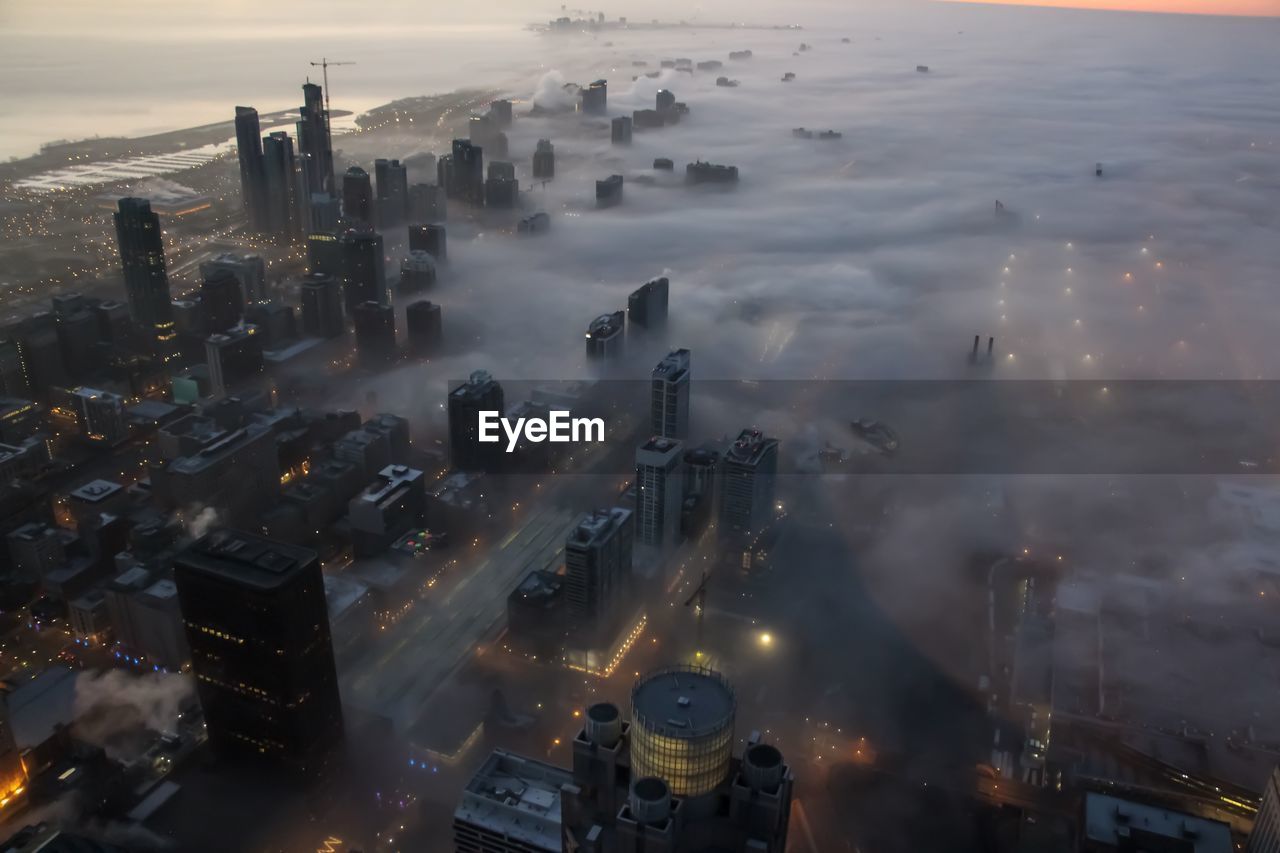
x,y
421,651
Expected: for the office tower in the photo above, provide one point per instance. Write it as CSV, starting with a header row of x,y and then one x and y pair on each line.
x,y
647,305
669,396
324,212
491,819
364,277
501,189
429,239
77,331
357,198
392,185
222,299
277,323
605,336
659,492
13,372
315,149
597,559
417,271
235,470
282,210
427,203
666,100
595,98
113,321
99,415
1111,824
233,356
321,306
251,270
544,160
387,508
620,130
480,393
500,113
461,172
710,173
253,187
484,133
324,253
261,652
1265,837
609,191
747,479
375,324
146,282
425,326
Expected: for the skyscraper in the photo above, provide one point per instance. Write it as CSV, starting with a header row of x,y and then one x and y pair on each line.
x,y
315,149
222,299
620,130
233,356
427,203
357,197
282,217
253,187
417,271
605,336
479,393
501,189
429,239
659,488
364,277
251,270
375,324
647,304
392,187
747,479
597,559
146,282
669,396
1265,837
544,160
261,651
321,306
595,98
424,325
461,172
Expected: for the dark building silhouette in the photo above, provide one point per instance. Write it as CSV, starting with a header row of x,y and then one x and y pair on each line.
x,y
747,478
430,239
324,253
315,149
322,306
357,197
620,130
375,324
146,282
233,357
700,172
605,336
597,560
253,186
500,113
250,270
669,396
417,271
258,628
479,393
392,185
647,305
501,189
461,172
595,98
282,212
427,203
609,191
665,100
425,327
222,299
544,160
364,277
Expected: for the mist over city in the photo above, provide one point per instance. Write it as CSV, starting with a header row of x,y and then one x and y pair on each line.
x,y
886,458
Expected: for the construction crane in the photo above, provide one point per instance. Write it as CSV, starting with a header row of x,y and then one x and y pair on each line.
x,y
699,602
324,64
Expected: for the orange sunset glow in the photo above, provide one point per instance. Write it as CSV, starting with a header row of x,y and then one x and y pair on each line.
x,y
1257,8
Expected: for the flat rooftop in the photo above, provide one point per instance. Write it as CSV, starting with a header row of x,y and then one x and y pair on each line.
x,y
245,558
1116,822
517,797
683,702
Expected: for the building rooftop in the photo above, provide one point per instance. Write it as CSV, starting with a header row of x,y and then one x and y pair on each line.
x,y
673,366
96,491
597,524
1123,824
750,447
683,702
39,706
245,558
516,797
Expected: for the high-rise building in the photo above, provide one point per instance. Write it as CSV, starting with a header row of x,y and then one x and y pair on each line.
x,y
609,191
387,508
425,327
597,559
315,149
620,130
417,271
481,392
647,304
605,335
233,356
492,817
364,277
392,185
322,306
261,651
482,131
501,190
429,238
669,396
1265,837
747,481
251,270
324,253
357,198
699,491
146,281
427,203
253,186
282,206
500,112
595,98
324,212
665,100
659,492
375,324
222,298
544,160
234,471
461,172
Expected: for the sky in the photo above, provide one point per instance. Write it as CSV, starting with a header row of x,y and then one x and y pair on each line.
x,y
1257,8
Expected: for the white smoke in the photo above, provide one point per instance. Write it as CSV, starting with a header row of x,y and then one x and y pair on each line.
x,y
551,94
114,708
199,520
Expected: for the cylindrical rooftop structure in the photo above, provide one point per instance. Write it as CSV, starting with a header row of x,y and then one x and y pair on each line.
x,y
604,724
650,800
762,767
682,729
